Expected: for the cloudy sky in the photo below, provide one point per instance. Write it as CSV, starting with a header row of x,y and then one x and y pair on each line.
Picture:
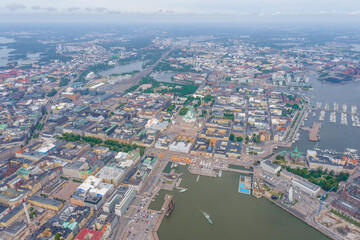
x,y
181,10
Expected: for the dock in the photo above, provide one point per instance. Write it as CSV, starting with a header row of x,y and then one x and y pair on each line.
x,y
314,132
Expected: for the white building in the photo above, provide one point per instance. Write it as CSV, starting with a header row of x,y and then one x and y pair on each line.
x,y
269,167
180,147
120,201
111,175
305,186
96,187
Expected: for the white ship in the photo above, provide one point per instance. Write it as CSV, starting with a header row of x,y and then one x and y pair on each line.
x,y
344,119
336,106
353,109
322,115
344,108
327,107
355,121
333,117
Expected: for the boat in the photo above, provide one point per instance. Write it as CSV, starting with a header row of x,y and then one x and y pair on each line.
x,y
207,217
220,173
183,190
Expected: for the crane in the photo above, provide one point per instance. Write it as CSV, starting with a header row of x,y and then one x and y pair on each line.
x,y
323,198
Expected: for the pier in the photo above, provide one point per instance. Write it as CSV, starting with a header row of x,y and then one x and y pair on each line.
x,y
314,132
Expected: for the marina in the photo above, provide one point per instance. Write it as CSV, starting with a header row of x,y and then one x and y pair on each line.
x,y
344,109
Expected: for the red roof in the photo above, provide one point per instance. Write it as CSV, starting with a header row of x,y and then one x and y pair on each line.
x,y
88,234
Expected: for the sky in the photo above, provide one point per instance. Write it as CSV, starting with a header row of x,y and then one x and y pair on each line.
x,y
332,11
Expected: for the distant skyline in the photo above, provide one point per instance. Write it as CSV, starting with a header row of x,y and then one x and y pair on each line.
x,y
346,11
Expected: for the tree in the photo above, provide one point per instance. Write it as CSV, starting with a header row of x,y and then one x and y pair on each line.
x,y
52,93
342,176
183,111
239,139
170,108
295,106
207,141
142,151
207,98
64,82
232,137
57,236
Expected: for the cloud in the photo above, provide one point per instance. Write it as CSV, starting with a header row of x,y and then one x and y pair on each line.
x,y
15,7
36,7
50,9
354,13
100,9
73,9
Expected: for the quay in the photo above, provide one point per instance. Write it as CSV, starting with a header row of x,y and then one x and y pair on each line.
x,y
166,209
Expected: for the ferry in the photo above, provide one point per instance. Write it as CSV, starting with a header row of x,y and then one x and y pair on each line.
x,y
183,190
220,173
207,217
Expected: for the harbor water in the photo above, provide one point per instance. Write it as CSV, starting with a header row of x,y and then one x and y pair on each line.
x,y
235,215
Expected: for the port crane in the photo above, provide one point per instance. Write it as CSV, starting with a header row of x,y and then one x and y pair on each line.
x,y
323,198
